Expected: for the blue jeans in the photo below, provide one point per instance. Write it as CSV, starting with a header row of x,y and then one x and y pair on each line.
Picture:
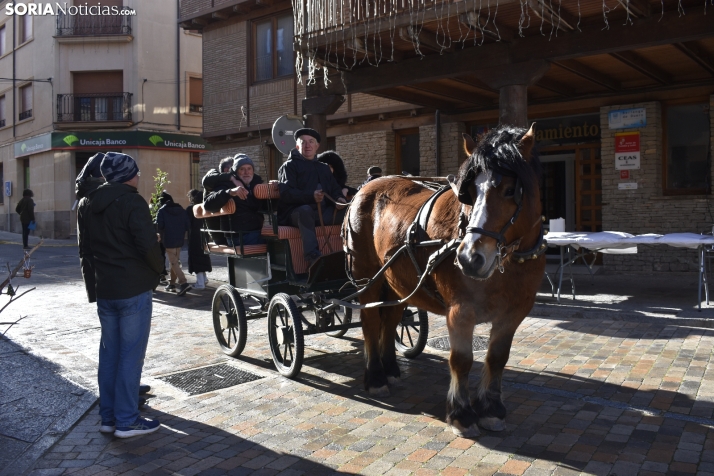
x,y
125,333
249,238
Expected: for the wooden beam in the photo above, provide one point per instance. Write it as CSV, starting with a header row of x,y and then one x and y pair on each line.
x,y
475,83
478,24
557,17
199,21
555,87
638,8
450,94
590,74
423,38
411,98
220,15
696,54
638,63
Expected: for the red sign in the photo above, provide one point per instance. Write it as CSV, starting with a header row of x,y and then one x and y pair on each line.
x,y
624,174
627,142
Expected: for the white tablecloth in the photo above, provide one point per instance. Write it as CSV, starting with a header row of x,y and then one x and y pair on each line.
x,y
617,242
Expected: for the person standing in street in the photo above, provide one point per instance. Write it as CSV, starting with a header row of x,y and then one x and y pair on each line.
x,y
115,229
199,262
173,225
26,209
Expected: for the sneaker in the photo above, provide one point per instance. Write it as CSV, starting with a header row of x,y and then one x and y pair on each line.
x,y
144,389
142,426
107,427
170,288
182,289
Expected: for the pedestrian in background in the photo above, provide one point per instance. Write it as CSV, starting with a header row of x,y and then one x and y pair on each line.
x,y
117,232
373,172
173,225
26,209
198,261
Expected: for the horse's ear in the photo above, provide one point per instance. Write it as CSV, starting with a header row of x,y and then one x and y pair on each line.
x,y
527,142
469,144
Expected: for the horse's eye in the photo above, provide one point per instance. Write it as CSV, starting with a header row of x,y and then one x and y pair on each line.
x,y
510,192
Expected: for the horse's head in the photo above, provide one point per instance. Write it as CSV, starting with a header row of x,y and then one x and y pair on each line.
x,y
499,184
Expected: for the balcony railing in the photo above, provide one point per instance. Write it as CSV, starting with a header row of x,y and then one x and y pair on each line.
x,y
94,107
195,108
93,25
25,115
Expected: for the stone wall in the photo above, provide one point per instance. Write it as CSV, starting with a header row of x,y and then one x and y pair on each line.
x,y
647,209
452,153
361,151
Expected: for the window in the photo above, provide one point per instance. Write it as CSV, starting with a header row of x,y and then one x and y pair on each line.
x,y
25,102
2,111
3,41
195,95
687,137
25,28
273,48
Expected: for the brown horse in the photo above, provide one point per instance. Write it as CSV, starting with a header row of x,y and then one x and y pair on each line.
x,y
494,276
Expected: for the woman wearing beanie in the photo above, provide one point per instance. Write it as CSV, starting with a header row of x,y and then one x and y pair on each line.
x,y
198,261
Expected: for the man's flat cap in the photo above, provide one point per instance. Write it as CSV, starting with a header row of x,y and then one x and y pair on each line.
x,y
306,131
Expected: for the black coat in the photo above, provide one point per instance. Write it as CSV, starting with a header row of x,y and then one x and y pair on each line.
x,y
248,215
173,224
198,261
299,178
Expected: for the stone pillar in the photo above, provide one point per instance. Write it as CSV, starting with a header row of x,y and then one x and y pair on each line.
x,y
316,109
512,81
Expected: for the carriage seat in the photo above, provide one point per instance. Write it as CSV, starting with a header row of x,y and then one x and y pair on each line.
x,y
328,237
227,209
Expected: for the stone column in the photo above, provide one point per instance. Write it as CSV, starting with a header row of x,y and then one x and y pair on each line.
x,y
316,109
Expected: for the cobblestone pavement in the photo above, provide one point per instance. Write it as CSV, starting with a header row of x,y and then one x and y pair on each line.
x,y
592,396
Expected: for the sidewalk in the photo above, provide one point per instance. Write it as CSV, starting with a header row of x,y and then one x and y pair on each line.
x,y
618,381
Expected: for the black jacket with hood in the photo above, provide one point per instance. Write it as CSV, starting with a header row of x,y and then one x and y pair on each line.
x,y
247,216
173,224
117,232
299,178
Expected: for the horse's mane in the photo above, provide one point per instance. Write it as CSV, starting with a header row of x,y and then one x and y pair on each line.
x,y
497,150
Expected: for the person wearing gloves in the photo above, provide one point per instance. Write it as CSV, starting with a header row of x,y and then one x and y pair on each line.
x,y
116,231
173,224
247,218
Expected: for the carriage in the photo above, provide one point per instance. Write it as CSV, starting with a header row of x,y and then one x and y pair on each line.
x,y
273,280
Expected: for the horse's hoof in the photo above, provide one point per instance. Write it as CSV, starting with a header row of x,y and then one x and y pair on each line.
x,y
470,432
379,391
492,424
395,381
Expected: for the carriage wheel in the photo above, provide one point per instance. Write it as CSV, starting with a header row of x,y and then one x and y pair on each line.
x,y
412,332
343,315
285,335
229,320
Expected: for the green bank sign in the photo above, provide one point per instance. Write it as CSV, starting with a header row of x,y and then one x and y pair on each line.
x,y
105,141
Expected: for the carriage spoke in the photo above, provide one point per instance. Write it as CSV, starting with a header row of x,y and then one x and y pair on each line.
x,y
233,333
409,334
285,352
290,348
226,307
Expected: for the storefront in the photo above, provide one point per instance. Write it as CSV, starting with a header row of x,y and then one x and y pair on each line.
x,y
49,163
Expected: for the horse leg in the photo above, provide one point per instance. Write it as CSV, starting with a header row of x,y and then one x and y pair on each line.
x,y
375,380
391,316
488,404
459,414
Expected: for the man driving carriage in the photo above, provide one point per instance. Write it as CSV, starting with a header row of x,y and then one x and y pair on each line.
x,y
304,183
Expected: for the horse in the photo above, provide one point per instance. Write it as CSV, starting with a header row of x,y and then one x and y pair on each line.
x,y
495,211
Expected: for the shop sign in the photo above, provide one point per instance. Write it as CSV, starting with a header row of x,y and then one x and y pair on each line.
x,y
558,131
627,150
627,186
128,139
627,118
624,174
33,145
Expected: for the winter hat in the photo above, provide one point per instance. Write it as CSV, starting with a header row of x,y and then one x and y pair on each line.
x,y
91,168
374,171
241,159
118,168
165,198
306,131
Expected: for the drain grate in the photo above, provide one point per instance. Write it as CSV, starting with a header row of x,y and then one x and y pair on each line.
x,y
208,379
479,343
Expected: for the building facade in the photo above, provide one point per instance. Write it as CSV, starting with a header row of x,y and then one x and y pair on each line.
x,y
80,81
624,110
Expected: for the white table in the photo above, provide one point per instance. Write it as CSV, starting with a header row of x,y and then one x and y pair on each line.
x,y
616,242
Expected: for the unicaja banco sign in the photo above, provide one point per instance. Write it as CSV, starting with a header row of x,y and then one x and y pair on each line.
x,y
127,140
57,8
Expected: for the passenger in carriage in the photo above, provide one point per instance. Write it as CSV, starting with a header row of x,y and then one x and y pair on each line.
x,y
211,181
304,182
248,217
337,166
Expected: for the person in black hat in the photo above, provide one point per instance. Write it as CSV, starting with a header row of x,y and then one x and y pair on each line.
x,y
337,166
373,172
305,182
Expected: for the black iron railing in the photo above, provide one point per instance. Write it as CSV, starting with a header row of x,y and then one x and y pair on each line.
x,y
93,25
94,107
25,114
195,108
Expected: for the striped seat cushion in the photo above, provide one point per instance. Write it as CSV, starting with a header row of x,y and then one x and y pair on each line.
x,y
227,209
266,190
247,249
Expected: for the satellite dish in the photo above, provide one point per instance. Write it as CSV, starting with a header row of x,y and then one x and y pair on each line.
x,y
283,130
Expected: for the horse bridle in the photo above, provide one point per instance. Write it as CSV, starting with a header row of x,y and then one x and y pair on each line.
x,y
503,250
